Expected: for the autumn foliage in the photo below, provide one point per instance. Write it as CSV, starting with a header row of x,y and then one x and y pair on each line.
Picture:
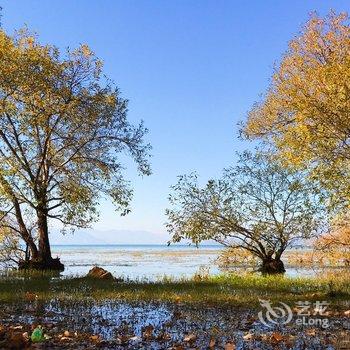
x,y
63,126
306,110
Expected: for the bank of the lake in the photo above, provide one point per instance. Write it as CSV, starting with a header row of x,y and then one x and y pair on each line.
x,y
217,312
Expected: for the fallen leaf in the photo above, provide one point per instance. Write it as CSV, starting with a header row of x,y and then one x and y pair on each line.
x,y
311,332
17,327
66,338
95,338
248,336
190,338
178,347
230,346
163,336
17,341
123,339
30,296
147,332
276,337
212,343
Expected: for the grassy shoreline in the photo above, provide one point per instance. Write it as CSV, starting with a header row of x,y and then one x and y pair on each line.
x,y
231,289
167,314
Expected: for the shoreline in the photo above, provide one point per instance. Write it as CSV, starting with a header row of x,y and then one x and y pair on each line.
x,y
194,313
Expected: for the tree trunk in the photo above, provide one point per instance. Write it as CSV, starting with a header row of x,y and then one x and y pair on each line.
x,y
27,253
43,234
271,266
45,257
44,260
26,236
33,249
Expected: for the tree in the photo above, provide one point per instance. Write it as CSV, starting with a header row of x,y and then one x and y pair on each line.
x,y
11,251
258,205
63,133
305,112
337,240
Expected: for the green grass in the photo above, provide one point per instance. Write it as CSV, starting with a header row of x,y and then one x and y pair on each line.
x,y
238,290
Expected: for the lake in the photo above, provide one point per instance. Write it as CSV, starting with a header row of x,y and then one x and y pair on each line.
x,y
149,262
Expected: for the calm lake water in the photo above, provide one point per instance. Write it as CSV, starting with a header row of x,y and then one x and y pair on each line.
x,y
138,261
149,262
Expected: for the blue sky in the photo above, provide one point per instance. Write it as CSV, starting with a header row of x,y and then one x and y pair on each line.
x,y
190,68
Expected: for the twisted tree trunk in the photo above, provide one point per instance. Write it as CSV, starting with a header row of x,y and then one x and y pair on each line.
x,y
272,266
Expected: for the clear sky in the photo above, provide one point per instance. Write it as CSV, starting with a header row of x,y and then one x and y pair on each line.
x,y
190,68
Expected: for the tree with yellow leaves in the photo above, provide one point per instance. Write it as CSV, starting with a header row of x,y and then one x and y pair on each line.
x,y
305,112
63,127
338,239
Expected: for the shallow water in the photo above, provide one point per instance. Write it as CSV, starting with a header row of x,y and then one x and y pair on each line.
x,y
113,319
139,262
153,262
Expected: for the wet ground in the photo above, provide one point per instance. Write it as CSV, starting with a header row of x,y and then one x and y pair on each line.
x,y
121,325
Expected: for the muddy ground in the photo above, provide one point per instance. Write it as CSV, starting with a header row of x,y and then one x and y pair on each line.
x,y
122,325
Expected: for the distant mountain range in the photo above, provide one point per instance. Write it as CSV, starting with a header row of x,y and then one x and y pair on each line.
x,y
108,237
